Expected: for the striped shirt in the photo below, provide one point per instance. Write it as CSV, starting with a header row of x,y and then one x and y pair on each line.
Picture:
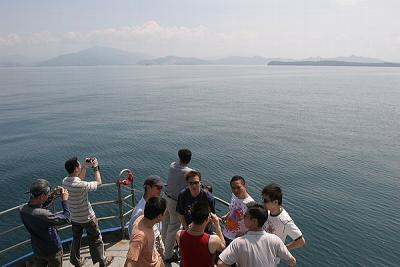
x,y
79,205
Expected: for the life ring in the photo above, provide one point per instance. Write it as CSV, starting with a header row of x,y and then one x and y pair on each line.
x,y
129,178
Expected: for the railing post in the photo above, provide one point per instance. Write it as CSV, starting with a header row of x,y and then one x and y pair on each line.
x,y
121,211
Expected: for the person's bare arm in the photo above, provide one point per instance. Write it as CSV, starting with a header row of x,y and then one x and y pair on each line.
x,y
292,262
296,244
177,236
217,244
183,221
82,174
97,176
96,169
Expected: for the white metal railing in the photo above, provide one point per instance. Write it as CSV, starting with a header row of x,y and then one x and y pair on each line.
x,y
121,201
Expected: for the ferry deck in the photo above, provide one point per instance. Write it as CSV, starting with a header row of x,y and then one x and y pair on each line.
x,y
115,237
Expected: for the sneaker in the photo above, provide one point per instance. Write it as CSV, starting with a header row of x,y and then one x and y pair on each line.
x,y
107,261
174,258
82,261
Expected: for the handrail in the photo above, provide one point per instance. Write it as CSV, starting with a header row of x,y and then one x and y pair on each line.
x,y
15,246
105,202
106,184
221,201
12,229
11,209
121,201
129,211
58,212
107,218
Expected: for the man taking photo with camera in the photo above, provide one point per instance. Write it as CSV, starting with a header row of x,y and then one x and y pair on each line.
x,y
40,223
82,214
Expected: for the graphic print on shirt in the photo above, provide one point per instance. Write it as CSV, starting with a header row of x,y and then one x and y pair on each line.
x,y
232,222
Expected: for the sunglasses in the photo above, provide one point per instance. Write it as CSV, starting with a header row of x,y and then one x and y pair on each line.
x,y
159,187
194,183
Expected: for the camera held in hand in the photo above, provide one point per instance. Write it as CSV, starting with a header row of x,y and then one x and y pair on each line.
x,y
90,160
57,191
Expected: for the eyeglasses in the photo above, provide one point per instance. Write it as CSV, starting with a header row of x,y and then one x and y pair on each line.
x,y
194,183
159,187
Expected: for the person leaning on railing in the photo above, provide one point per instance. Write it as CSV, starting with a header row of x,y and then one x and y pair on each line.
x,y
40,223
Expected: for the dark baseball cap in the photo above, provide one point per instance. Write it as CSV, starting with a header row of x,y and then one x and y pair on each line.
x,y
38,187
153,180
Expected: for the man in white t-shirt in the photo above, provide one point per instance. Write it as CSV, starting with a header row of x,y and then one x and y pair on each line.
x,y
279,222
152,188
234,219
256,248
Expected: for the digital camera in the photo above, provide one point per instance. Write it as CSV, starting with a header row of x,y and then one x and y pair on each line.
x,y
57,191
89,160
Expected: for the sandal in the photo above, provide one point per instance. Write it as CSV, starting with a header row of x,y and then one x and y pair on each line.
x,y
82,261
107,261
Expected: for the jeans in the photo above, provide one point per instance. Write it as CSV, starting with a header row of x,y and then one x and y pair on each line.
x,y
96,245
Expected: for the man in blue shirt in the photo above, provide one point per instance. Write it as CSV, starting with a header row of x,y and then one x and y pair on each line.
x,y
40,223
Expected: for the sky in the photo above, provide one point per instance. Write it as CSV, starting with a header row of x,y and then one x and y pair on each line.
x,y
206,28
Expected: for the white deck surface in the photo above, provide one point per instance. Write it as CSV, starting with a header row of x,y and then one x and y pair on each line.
x,y
118,250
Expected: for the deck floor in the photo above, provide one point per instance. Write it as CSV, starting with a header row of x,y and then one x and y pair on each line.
x,y
118,250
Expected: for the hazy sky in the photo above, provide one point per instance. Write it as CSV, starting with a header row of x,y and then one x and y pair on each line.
x,y
204,28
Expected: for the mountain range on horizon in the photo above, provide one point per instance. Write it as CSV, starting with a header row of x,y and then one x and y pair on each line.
x,y
97,56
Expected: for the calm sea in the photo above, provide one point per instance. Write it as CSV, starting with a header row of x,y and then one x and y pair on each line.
x,y
328,135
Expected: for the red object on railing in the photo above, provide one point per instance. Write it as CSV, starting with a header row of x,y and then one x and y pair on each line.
x,y
128,180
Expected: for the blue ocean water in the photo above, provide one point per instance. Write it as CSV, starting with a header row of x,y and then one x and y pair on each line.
x,y
328,135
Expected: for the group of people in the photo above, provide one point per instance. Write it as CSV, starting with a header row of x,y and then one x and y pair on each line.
x,y
177,225
77,210
182,225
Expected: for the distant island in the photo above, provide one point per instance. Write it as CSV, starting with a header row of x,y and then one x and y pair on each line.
x,y
96,56
107,56
333,63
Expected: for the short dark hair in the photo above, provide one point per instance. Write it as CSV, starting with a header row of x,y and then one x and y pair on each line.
x,y
154,207
238,178
257,211
193,173
185,155
39,187
71,164
200,211
274,192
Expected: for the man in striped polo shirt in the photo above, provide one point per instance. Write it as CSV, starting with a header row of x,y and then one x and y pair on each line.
x,y
82,214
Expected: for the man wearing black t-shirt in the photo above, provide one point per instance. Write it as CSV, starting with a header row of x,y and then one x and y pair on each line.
x,y
190,195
